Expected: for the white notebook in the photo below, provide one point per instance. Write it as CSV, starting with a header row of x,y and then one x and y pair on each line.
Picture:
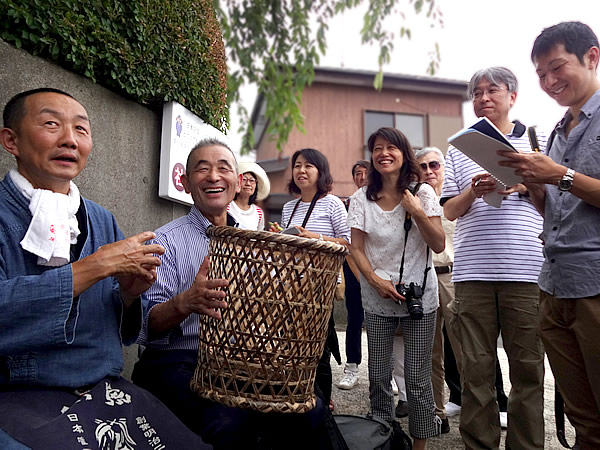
x,y
480,142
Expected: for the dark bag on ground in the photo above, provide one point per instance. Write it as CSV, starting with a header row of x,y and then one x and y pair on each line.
x,y
364,433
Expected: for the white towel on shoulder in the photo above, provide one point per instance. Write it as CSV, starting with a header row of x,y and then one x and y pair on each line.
x,y
54,226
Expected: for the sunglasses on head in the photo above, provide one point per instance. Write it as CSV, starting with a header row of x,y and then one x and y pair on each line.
x,y
433,165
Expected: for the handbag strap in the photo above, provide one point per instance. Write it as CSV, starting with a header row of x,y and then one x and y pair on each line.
x,y
308,213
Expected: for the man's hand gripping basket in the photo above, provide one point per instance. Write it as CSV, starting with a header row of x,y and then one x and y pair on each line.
x,y
264,352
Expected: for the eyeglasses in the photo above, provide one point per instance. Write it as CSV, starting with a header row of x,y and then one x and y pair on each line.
x,y
492,91
433,165
248,180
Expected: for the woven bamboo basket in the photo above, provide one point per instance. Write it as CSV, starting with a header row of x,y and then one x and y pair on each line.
x,y
264,352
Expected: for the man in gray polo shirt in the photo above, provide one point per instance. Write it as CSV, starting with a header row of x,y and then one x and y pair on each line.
x,y
565,186
497,260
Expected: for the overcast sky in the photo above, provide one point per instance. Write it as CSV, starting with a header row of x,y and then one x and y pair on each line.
x,y
476,34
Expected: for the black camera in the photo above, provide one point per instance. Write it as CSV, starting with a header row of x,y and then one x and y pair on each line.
x,y
412,294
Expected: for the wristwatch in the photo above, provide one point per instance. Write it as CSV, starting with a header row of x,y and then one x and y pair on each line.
x,y
566,182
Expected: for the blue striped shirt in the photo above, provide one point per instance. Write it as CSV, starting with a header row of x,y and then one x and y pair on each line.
x,y
328,217
494,244
186,245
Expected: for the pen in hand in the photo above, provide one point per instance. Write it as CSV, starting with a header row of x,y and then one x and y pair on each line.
x,y
475,184
277,227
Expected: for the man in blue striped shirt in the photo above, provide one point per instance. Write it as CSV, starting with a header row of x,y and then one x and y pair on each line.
x,y
497,260
181,293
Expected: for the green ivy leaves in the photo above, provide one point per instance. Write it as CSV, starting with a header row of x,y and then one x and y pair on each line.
x,y
149,50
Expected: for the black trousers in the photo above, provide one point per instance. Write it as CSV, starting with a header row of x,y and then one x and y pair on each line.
x,y
356,316
167,374
324,378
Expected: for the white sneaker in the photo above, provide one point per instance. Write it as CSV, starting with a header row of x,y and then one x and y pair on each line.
x,y
452,409
350,378
394,387
503,420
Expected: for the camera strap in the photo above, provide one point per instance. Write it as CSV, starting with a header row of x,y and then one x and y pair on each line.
x,y
407,227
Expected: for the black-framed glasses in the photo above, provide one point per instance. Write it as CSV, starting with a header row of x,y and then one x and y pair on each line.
x,y
433,165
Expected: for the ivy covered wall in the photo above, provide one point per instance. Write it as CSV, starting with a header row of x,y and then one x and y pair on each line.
x,y
151,51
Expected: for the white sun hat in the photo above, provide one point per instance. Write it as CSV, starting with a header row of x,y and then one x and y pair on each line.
x,y
264,185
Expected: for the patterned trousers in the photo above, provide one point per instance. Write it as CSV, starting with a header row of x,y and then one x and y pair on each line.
x,y
418,343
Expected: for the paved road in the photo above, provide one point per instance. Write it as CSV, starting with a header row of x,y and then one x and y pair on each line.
x,y
356,401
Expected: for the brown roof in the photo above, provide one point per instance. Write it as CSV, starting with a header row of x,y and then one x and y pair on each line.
x,y
395,81
414,83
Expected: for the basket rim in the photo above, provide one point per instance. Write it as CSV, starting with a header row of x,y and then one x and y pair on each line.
x,y
264,406
278,238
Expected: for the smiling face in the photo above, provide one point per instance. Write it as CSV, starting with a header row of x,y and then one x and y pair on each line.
x,y
212,181
52,142
429,174
387,158
564,78
492,101
305,174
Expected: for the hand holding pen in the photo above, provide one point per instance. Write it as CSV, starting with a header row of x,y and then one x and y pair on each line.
x,y
275,227
482,184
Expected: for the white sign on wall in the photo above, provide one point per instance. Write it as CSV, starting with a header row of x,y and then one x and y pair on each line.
x,y
181,131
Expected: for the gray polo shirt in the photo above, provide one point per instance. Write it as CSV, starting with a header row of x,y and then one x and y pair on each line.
x,y
572,227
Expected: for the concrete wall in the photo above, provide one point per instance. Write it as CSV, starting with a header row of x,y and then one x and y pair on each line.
x,y
122,170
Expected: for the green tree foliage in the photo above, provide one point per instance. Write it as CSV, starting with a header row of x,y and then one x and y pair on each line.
x,y
155,51
277,43
149,50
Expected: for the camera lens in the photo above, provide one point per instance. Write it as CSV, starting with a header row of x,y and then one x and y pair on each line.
x,y
415,309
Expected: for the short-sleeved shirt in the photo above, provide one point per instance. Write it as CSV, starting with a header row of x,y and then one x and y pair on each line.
x,y
328,217
572,227
384,244
494,244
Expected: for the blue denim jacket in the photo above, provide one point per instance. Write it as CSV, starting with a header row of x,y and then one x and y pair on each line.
x,y
47,337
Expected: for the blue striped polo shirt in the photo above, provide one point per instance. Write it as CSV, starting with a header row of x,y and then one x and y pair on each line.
x,y
186,245
494,244
328,217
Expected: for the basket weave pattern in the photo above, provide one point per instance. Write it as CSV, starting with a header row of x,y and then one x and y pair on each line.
x,y
264,352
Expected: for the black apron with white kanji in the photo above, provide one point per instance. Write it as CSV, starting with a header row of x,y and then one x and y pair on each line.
x,y
113,415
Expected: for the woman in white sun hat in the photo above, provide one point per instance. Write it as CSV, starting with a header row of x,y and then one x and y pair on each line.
x,y
255,187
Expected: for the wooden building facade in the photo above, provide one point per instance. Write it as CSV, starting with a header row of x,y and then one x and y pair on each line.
x,y
341,109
